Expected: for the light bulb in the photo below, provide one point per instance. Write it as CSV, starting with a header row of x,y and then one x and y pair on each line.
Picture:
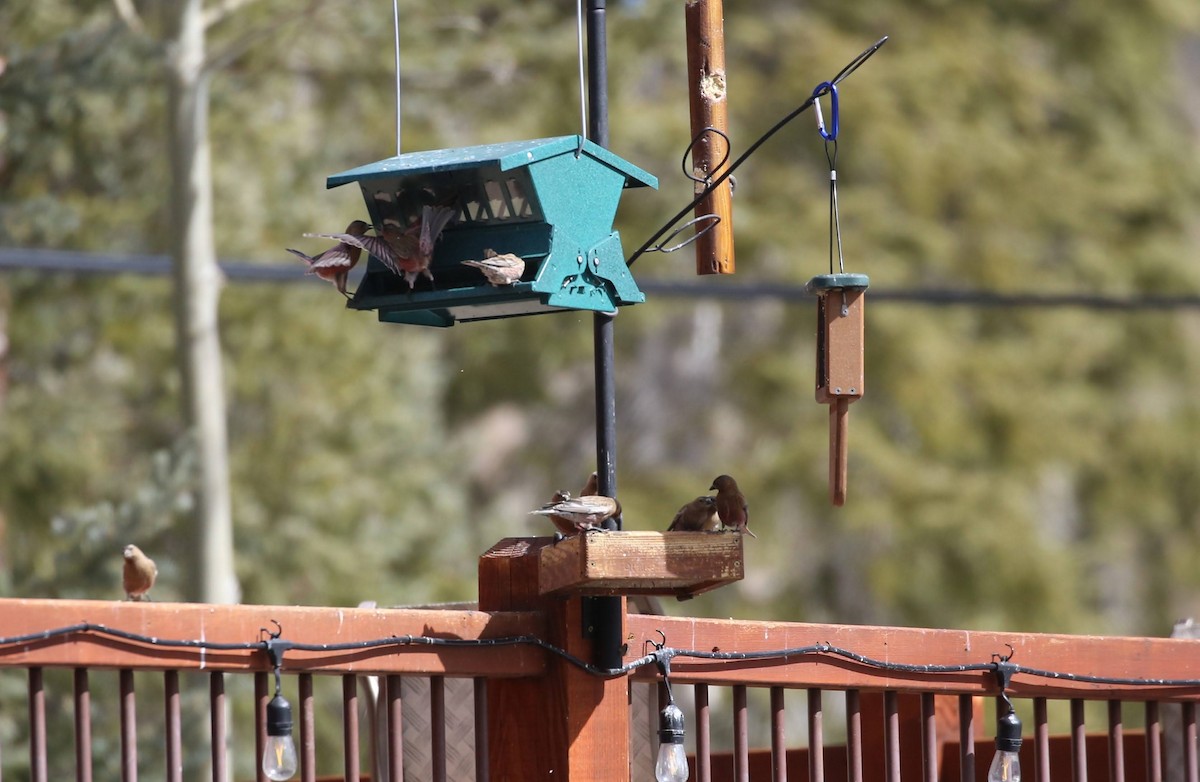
x,y
279,755
1006,765
672,765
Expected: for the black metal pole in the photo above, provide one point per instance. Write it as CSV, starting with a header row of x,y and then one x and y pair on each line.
x,y
603,614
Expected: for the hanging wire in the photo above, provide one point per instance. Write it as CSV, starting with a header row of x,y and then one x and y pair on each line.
x,y
830,134
275,646
707,222
583,120
850,68
396,25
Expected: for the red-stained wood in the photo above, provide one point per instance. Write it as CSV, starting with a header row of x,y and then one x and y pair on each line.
x,y
567,724
627,563
1118,657
708,98
949,767
241,624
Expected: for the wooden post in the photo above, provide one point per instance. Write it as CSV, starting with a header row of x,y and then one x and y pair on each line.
x,y
568,724
705,22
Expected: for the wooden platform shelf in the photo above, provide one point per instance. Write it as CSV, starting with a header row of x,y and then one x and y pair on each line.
x,y
641,563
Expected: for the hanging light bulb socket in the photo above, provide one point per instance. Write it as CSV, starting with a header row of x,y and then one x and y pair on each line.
x,y
671,764
279,759
1006,764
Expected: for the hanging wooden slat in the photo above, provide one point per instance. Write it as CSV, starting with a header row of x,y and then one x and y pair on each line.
x,y
707,93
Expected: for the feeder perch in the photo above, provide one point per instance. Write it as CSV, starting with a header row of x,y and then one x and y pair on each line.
x,y
640,563
550,201
840,330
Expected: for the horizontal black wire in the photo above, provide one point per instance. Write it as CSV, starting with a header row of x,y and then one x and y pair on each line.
x,y
661,656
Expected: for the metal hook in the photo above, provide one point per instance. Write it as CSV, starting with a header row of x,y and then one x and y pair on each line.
x,y
272,635
684,162
827,87
699,232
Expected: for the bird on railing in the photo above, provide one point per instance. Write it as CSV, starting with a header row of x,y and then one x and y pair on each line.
x,y
335,263
499,269
699,515
581,514
731,504
138,574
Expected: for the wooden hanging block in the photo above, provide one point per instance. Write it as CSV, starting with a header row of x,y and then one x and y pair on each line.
x,y
640,563
840,366
707,91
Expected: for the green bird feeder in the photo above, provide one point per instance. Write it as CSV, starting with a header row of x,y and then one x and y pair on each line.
x,y
550,201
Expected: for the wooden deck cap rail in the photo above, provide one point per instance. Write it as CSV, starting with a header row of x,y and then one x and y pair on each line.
x,y
244,623
1105,656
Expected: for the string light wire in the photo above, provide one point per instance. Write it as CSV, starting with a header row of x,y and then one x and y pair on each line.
x,y
661,655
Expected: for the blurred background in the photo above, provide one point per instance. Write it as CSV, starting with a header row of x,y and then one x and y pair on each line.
x,y
1016,463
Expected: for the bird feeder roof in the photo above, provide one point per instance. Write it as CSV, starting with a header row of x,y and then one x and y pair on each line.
x,y
506,156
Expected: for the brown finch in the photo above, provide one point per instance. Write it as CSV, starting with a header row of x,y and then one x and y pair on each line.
x,y
699,515
499,269
139,573
335,263
409,252
731,504
572,516
592,486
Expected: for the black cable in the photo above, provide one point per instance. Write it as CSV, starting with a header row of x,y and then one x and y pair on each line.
x,y
850,68
660,657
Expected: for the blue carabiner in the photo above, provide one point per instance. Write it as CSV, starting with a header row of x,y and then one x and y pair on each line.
x,y
831,88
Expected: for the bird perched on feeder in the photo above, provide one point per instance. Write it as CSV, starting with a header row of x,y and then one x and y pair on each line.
x,y
499,269
731,504
335,263
139,573
408,252
699,515
572,516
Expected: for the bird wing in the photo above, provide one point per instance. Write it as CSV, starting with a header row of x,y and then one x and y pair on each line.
x,y
594,505
434,220
375,245
335,257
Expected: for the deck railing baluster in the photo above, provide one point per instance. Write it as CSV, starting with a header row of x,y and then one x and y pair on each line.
x,y
37,726
174,726
854,737
703,735
741,735
83,726
350,742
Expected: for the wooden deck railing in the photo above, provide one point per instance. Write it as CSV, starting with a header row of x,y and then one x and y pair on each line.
x,y
860,703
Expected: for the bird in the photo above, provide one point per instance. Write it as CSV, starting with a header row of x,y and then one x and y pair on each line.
x,y
335,263
139,573
699,515
574,515
731,504
408,252
499,269
591,486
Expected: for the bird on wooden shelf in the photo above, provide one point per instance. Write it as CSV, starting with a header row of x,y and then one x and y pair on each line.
x,y
139,573
731,505
581,514
699,515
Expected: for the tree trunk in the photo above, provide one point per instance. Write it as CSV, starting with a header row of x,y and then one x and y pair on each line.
x,y
197,283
